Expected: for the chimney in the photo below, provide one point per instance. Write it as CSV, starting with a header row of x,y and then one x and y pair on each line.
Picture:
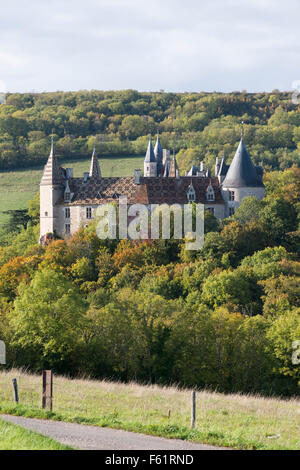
x,y
85,177
202,166
137,176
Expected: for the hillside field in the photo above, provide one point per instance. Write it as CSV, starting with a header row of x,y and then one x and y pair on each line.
x,y
19,186
233,420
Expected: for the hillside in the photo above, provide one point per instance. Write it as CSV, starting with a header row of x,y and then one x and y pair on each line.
x,y
19,186
238,421
198,125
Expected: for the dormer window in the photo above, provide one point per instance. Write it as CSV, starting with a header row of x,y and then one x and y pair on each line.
x,y
67,194
191,195
210,194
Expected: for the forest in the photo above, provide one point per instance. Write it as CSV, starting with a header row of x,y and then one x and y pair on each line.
x,y
199,126
225,317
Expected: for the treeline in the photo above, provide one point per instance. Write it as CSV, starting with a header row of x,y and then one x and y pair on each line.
x,y
200,126
224,317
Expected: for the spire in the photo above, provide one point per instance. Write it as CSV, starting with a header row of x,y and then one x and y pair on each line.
x,y
241,171
53,173
158,151
150,157
95,171
173,167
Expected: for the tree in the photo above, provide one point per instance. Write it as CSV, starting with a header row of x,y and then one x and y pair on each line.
x,y
284,331
237,288
249,209
278,217
48,318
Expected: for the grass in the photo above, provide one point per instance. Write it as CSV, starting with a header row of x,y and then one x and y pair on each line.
x,y
236,421
14,437
19,186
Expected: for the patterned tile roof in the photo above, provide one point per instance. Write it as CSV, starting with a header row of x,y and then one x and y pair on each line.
x,y
149,191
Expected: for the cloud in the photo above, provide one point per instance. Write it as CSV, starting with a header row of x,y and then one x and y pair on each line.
x,y
174,45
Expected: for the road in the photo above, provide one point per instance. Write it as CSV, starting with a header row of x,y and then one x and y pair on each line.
x,y
96,438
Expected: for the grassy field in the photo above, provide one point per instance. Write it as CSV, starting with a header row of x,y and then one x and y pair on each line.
x,y
16,438
237,421
18,187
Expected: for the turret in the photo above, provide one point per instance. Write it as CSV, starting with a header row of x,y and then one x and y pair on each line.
x,y
150,163
158,153
51,190
242,179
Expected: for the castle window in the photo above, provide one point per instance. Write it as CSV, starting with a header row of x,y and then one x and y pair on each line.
x,y
67,212
210,194
67,228
191,195
231,195
231,211
46,214
88,212
67,196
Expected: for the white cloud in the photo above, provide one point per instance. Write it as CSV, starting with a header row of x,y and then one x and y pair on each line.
x,y
170,44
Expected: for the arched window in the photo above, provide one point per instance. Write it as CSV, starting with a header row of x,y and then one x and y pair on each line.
x,y
191,195
210,194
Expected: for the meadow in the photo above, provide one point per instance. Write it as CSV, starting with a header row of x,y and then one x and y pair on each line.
x,y
233,420
16,438
19,186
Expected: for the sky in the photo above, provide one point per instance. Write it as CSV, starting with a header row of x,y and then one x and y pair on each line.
x,y
171,45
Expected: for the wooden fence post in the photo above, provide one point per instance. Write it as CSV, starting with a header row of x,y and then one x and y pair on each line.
x,y
193,409
16,394
47,395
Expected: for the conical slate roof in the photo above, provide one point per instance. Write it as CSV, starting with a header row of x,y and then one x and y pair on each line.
x,y
223,168
53,173
241,172
95,171
150,157
158,151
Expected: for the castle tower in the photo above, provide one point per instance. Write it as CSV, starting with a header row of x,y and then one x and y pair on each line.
x,y
150,163
95,171
158,153
242,179
51,190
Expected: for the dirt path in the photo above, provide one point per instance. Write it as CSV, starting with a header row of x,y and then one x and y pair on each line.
x,y
95,438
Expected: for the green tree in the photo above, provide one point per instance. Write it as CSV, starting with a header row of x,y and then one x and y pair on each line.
x,y
48,318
